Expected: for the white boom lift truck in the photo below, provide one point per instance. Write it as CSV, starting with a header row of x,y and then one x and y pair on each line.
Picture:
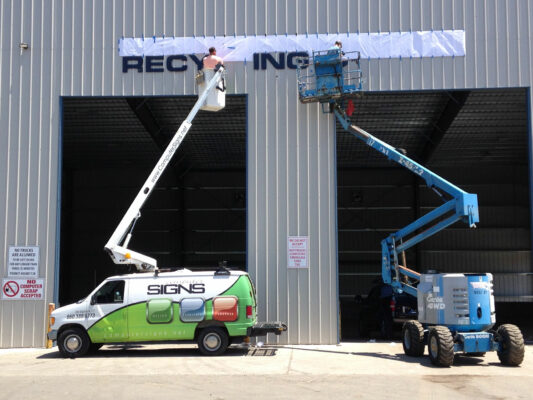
x,y
212,308
211,98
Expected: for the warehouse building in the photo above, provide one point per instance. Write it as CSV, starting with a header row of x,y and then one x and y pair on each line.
x,y
83,124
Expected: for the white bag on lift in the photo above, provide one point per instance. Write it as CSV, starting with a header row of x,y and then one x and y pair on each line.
x,y
216,100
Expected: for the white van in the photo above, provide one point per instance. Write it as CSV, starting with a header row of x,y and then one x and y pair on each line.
x,y
214,309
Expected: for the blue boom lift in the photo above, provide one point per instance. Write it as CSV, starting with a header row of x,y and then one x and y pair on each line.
x,y
455,311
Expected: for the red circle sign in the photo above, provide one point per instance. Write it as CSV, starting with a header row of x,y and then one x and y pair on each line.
x,y
11,288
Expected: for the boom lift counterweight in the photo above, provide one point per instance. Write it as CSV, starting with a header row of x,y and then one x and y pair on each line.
x,y
455,311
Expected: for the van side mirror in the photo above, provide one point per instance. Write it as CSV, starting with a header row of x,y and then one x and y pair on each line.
x,y
93,300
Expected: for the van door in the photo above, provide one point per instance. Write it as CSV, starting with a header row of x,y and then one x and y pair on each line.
x,y
107,316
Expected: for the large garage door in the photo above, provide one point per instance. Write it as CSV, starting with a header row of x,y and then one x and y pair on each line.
x,y
195,217
475,139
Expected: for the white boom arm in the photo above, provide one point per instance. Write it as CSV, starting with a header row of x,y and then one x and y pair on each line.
x,y
117,246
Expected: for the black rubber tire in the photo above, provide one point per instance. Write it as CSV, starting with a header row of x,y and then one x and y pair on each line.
x,y
77,334
94,347
440,346
512,343
479,354
216,334
413,339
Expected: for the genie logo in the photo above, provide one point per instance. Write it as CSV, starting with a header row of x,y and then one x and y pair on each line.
x,y
180,62
435,302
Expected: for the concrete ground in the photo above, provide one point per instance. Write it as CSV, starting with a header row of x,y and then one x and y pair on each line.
x,y
350,370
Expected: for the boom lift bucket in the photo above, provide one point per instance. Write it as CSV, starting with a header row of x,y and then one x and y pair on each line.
x,y
216,99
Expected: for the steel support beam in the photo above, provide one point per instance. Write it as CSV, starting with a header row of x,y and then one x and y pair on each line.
x,y
529,93
455,103
140,107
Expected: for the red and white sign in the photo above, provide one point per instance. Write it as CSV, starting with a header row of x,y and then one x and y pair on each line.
x,y
23,289
298,252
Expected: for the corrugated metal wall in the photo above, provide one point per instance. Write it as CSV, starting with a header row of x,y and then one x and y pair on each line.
x,y
291,153
375,202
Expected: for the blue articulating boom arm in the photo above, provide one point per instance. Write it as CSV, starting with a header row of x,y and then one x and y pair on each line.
x,y
458,206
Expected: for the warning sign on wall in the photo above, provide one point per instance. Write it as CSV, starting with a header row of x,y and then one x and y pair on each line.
x,y
22,289
297,249
23,261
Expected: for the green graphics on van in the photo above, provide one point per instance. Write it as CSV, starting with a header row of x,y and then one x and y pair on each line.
x,y
171,313
159,311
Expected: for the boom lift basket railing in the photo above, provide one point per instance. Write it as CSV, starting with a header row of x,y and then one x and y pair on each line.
x,y
328,75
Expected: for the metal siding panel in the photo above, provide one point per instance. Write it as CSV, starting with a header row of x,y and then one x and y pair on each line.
x,y
87,56
77,61
417,15
363,16
12,165
294,127
209,15
24,136
4,139
68,46
259,170
311,299
87,64
285,109
270,194
99,43
405,15
108,47
427,73
470,45
447,14
458,14
512,44
524,53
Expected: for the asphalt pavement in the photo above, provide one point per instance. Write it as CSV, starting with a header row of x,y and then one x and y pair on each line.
x,y
349,370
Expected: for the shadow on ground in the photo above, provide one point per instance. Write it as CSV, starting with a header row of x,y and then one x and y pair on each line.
x,y
460,360
118,351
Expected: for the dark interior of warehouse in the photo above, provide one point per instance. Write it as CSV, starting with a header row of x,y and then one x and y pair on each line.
x,y
196,216
477,140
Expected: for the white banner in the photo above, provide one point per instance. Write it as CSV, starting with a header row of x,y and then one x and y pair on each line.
x,y
241,48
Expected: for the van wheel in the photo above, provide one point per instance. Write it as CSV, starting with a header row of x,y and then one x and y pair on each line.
x,y
73,342
213,341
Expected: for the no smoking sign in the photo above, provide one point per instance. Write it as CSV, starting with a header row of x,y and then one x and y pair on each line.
x,y
11,288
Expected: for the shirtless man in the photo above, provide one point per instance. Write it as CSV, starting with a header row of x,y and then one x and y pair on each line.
x,y
211,61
